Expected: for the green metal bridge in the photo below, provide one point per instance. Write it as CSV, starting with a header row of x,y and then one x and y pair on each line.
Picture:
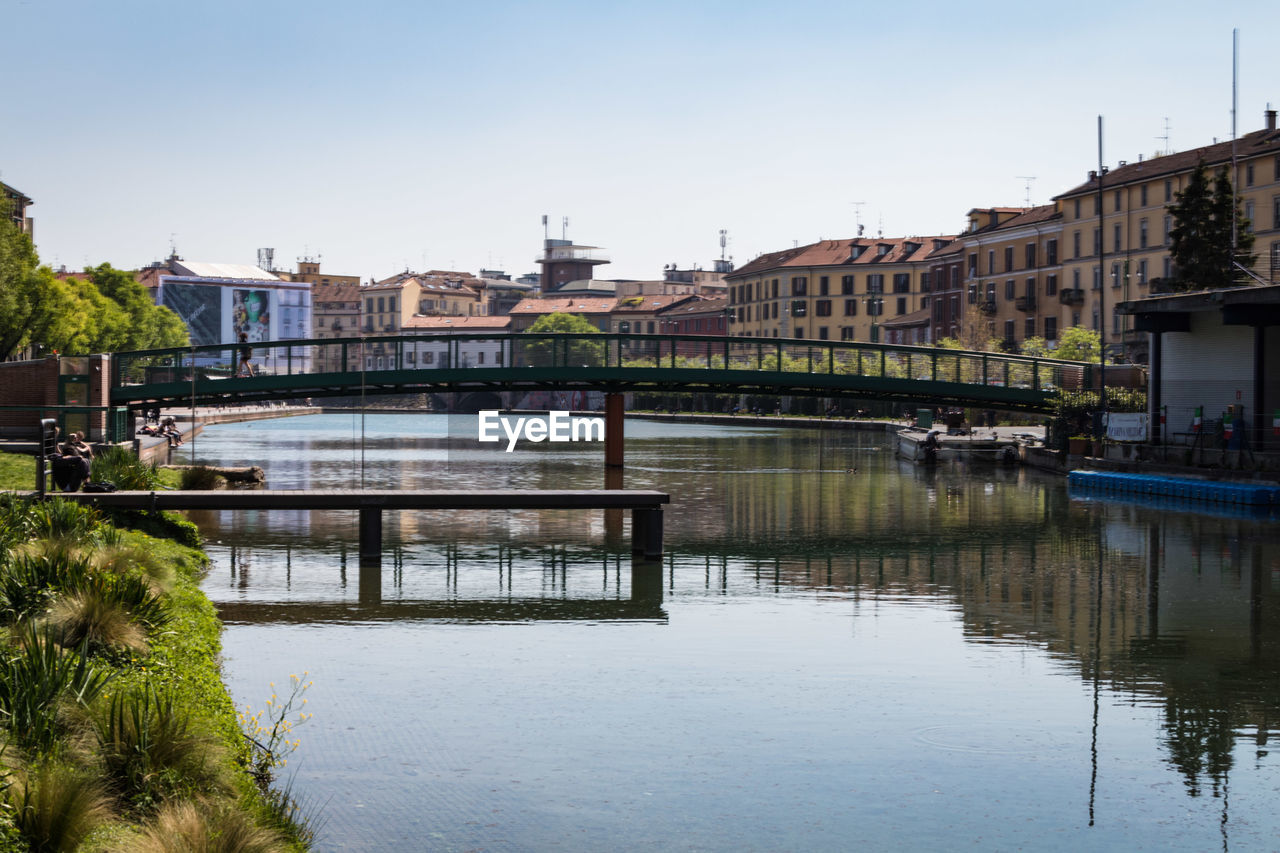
x,y
612,363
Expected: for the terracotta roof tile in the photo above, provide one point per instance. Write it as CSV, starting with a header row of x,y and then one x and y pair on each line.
x,y
420,321
585,305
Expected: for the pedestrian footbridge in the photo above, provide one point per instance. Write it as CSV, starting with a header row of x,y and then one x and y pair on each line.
x,y
612,363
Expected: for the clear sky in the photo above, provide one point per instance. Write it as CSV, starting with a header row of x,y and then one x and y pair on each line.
x,y
386,135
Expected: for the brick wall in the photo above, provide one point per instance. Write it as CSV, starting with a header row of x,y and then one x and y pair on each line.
x,y
27,383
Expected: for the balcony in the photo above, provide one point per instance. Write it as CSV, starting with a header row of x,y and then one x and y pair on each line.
x,y
987,307
1071,296
1025,303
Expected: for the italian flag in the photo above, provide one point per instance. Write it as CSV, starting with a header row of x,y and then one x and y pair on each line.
x,y
1227,426
1195,421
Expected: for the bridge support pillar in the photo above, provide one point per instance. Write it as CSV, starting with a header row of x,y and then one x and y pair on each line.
x,y
646,581
613,426
646,533
370,536
613,517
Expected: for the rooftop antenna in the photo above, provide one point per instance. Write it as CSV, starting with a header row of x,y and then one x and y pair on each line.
x,y
857,214
1165,138
880,232
545,234
724,239
1027,179
564,229
173,245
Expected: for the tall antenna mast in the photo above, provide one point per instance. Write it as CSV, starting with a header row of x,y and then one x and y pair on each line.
x,y
545,234
1165,138
1028,179
724,239
857,214
564,229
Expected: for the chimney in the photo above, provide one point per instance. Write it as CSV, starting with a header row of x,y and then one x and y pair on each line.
x,y
1093,174
1271,119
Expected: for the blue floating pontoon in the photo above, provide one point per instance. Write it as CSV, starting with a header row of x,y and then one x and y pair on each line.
x,y
1186,488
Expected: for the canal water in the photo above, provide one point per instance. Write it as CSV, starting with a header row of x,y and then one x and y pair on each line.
x,y
839,651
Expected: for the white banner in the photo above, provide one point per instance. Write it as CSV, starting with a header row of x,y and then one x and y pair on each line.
x,y
1127,426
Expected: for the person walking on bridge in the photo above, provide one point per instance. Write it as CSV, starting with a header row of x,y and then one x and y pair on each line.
x,y
246,353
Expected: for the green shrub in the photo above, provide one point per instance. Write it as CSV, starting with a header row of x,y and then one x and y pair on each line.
x,y
200,478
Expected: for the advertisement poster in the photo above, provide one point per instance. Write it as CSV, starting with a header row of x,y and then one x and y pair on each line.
x,y
251,314
199,306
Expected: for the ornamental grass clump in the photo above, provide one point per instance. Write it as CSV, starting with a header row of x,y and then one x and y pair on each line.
x,y
201,478
44,688
152,750
208,827
121,467
56,807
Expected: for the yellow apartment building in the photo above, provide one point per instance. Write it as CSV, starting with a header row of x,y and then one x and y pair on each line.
x,y
1012,270
1116,229
832,289
389,303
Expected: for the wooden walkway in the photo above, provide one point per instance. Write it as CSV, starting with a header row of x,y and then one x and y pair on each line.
x,y
645,506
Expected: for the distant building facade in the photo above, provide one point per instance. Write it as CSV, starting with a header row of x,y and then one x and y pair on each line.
x,y
18,204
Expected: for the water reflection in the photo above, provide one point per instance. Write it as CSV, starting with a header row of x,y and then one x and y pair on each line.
x,y
1083,631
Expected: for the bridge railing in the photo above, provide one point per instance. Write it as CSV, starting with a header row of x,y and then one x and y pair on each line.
x,y
604,350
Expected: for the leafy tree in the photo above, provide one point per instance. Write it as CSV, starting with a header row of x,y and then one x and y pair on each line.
x,y
580,353
1037,347
150,326
1200,239
22,287
1078,344
975,333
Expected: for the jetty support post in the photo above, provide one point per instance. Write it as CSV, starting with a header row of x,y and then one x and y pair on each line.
x,y
370,536
613,426
646,533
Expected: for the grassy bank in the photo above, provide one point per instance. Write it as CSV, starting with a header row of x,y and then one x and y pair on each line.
x,y
118,731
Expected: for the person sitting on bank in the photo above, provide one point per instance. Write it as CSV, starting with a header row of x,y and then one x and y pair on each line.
x,y
169,428
76,446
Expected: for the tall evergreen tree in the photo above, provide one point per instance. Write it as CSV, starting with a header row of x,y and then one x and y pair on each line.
x,y
1200,239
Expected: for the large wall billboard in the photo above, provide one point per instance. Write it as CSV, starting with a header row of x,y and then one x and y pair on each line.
x,y
216,313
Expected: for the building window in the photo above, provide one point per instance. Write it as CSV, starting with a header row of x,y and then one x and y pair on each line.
x,y
368,305
1168,226
1167,267
1142,233
1115,238
902,305
775,288
823,285
851,308
1051,286
1097,278
846,333
1077,213
1010,290
925,279
991,261
1051,252
1008,330
875,283
1168,191
973,264
901,282
650,327
381,305
1248,216
1031,256
1142,272
1030,327
1008,259
1075,279
480,357
391,304
1075,244
1115,275
798,307
846,285
1142,196
822,333
1050,328
799,285
1248,175
822,307
1115,322
973,294
1275,211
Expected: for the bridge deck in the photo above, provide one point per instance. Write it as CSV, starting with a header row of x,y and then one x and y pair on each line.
x,y
324,499
645,506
